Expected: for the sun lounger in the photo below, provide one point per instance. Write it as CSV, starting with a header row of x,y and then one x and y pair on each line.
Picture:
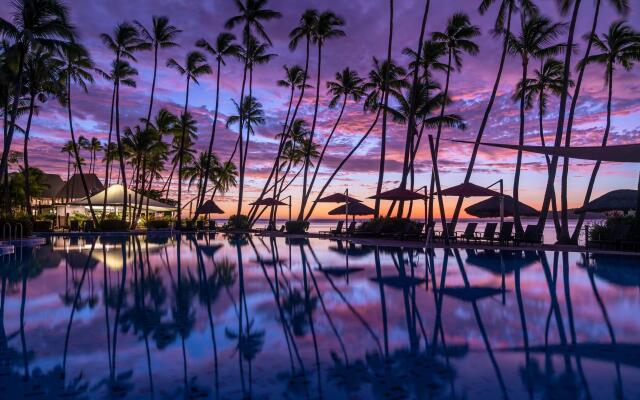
x,y
336,231
451,233
351,229
489,233
74,225
469,232
212,225
532,235
200,225
505,236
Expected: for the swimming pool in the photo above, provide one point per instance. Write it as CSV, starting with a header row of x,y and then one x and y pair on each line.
x,y
214,316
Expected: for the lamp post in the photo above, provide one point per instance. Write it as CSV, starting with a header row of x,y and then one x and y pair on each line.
x,y
501,182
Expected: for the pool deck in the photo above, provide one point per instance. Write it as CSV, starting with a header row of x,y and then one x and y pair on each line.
x,y
407,244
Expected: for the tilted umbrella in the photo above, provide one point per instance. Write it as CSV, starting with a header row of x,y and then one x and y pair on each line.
x,y
469,190
353,209
618,200
490,208
399,194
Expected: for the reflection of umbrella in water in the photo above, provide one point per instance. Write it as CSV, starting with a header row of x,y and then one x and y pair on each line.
x,y
399,282
211,249
498,262
490,208
615,269
471,293
340,271
351,250
624,353
78,260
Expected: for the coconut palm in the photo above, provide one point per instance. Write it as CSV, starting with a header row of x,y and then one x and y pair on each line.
x,y
42,73
194,67
620,46
124,42
534,42
123,73
94,147
161,36
225,47
196,170
77,67
502,28
348,85
622,7
432,53
386,79
327,27
33,24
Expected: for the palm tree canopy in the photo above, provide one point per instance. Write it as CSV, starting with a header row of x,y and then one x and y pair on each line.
x,y
619,46
547,80
430,56
294,77
252,13
536,39
162,34
43,23
377,84
327,27
458,37
224,47
305,28
251,114
347,84
43,74
121,71
77,65
255,53
195,65
124,41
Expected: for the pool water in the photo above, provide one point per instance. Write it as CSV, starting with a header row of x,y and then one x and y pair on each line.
x,y
231,317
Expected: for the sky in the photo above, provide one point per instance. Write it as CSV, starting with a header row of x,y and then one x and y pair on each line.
x,y
366,30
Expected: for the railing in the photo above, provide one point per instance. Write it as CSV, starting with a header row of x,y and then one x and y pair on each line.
x,y
7,228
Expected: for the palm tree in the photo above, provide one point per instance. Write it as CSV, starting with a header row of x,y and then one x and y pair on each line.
x,y
42,73
385,79
124,43
534,42
161,36
224,48
251,13
122,73
68,149
502,27
34,23
94,147
195,65
547,80
187,122
76,69
327,27
348,84
196,170
620,46
622,7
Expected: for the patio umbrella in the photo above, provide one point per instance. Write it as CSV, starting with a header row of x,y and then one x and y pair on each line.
x,y
209,207
470,293
353,209
490,208
469,190
341,198
617,200
271,202
399,194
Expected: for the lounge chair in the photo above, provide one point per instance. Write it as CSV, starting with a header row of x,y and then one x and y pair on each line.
x,y
451,233
74,225
200,225
88,226
351,229
489,233
212,225
469,232
505,236
417,234
282,228
336,231
532,235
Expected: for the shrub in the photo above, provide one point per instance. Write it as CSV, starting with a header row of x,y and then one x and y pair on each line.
x,y
43,226
76,216
238,222
389,225
297,226
114,225
607,231
27,225
48,217
157,224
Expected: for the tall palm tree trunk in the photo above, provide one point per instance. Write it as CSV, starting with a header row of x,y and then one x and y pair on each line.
x,y
342,163
107,173
485,118
383,135
596,168
25,155
123,172
559,130
411,120
77,155
153,83
241,143
307,158
516,177
213,136
4,164
554,205
180,153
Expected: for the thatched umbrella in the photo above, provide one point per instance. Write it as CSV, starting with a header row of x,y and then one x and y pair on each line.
x,y
271,202
618,200
209,207
490,208
353,209
341,198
